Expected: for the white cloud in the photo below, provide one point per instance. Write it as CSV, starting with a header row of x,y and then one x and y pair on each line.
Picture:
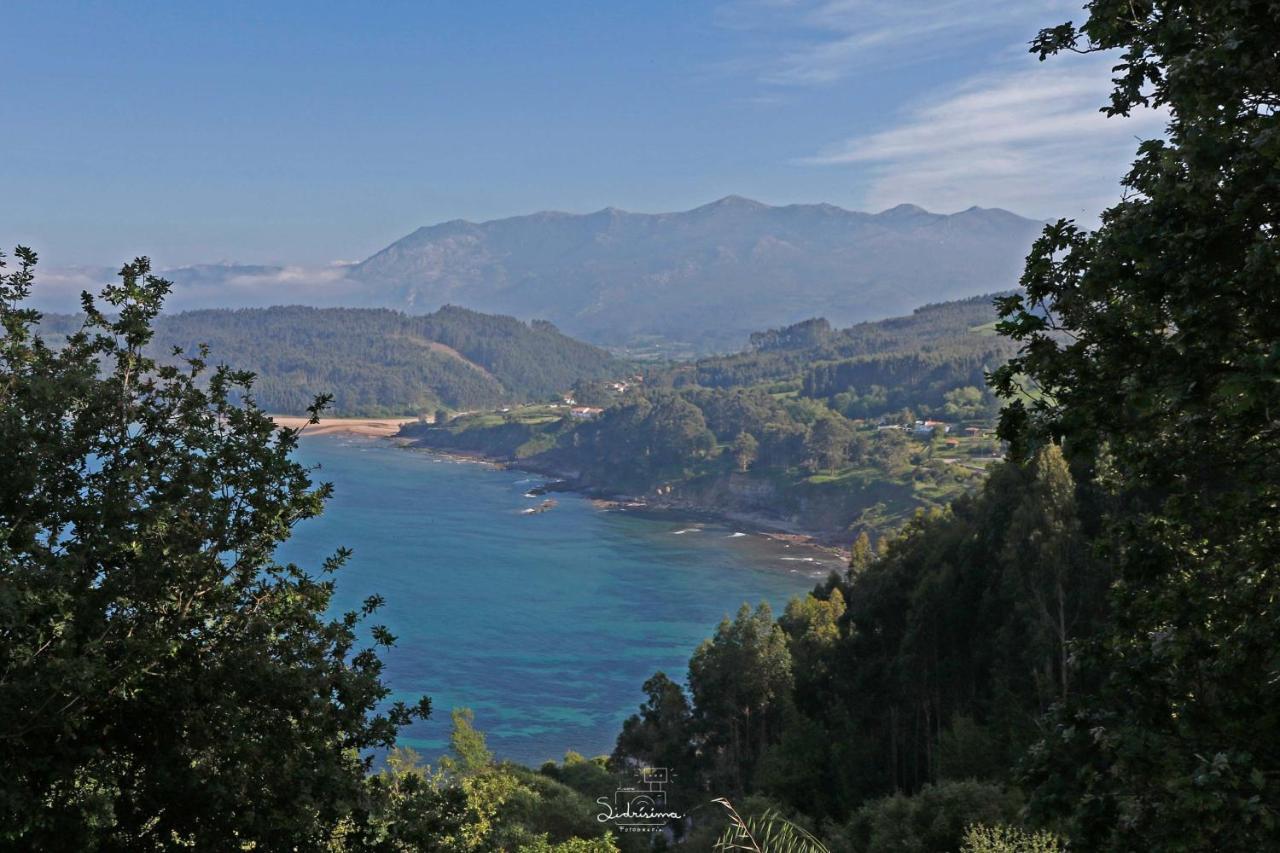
x,y
285,279
1032,140
207,286
817,42
59,288
1023,135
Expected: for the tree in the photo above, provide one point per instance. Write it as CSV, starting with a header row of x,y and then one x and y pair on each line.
x,y
468,745
741,683
558,803
827,444
1002,838
164,680
591,392
1152,343
964,403
932,820
892,452
573,845
1044,554
677,431
806,333
861,554
452,809
813,626
661,735
745,451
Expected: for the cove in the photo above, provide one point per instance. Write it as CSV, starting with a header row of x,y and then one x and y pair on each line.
x,y
547,624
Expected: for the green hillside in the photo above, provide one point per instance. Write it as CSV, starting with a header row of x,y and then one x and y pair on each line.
x,y
378,362
812,427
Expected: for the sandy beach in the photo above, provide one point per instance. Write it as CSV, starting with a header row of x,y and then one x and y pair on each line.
x,y
378,427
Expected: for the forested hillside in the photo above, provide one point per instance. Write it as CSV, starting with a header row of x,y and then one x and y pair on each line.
x,y
1080,652
869,369
1087,645
378,362
829,431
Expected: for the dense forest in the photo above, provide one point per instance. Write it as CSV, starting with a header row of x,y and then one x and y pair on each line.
x,y
376,362
1087,645
828,430
1081,653
789,354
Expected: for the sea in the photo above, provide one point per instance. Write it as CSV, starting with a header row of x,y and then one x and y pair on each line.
x,y
544,624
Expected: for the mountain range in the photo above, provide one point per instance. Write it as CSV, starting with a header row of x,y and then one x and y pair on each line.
x,y
707,276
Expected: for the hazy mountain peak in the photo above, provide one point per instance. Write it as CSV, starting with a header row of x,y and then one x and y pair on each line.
x,y
709,275
734,202
992,213
902,210
447,227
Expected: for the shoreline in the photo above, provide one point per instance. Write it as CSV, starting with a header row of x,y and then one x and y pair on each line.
x,y
751,522
605,500
373,427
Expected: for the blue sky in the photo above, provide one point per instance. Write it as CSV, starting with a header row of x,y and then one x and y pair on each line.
x,y
304,133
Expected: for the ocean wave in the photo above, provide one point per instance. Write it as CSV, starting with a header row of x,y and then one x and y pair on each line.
x,y
687,530
735,535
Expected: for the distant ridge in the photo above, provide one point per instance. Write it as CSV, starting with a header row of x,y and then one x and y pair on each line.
x,y
706,277
709,275
376,362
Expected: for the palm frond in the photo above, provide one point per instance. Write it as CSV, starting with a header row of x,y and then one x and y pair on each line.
x,y
766,833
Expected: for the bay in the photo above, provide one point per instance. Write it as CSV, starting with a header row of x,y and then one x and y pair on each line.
x,y
545,625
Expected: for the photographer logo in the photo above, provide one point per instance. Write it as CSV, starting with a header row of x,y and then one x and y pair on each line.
x,y
642,808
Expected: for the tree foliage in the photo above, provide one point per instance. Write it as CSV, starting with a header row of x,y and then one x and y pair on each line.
x,y
935,820
659,736
927,664
1153,343
1008,839
1099,623
164,680
740,680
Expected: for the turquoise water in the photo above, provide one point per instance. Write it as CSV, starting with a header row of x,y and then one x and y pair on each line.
x,y
545,625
